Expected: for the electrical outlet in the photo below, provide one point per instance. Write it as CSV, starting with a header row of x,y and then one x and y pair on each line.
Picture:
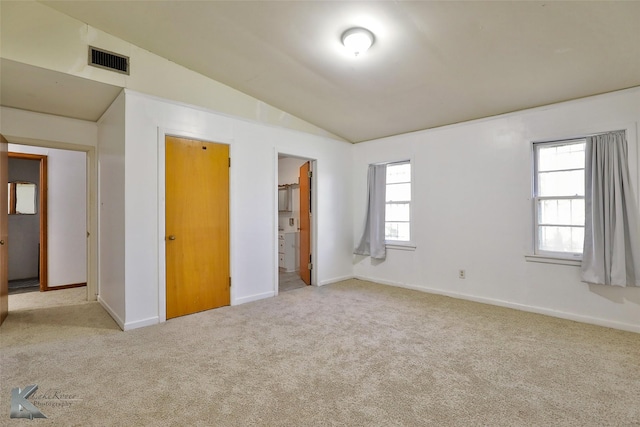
x,y
462,274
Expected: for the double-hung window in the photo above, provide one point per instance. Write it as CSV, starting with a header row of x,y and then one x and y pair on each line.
x,y
559,188
398,203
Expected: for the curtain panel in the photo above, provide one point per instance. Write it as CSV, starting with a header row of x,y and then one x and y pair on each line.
x,y
372,242
611,253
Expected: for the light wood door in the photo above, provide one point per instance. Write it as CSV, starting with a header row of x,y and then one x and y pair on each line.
x,y
197,226
4,230
305,223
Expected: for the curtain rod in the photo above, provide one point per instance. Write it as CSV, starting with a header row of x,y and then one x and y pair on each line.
x,y
570,138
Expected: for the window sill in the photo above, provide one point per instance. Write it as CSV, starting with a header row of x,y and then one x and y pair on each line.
x,y
553,260
400,247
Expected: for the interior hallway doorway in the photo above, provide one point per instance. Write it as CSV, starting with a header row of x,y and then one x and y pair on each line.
x,y
48,245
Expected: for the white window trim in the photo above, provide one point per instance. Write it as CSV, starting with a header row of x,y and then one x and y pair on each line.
x,y
401,244
550,257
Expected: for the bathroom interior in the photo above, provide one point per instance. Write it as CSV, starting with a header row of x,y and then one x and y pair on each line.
x,y
289,223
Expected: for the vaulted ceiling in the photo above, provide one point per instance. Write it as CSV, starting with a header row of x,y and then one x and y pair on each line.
x,y
432,63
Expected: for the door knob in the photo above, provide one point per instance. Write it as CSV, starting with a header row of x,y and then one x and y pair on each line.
x,y
171,237
1,242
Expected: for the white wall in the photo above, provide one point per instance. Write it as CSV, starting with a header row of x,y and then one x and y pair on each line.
x,y
26,127
253,181
66,214
111,209
67,217
472,210
289,170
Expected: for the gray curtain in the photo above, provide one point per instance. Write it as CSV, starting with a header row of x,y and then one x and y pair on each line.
x,y
611,243
372,242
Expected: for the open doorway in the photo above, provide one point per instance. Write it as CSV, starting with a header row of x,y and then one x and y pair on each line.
x,y
85,206
295,222
47,244
27,223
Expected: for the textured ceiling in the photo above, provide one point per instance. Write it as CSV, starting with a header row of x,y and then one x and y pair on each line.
x,y
433,63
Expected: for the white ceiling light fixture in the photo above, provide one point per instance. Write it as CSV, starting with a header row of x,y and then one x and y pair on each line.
x,y
357,40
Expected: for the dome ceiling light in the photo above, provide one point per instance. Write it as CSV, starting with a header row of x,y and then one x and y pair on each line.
x,y
357,40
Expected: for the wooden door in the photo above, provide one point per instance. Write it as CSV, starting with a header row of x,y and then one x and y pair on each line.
x,y
305,223
4,230
197,226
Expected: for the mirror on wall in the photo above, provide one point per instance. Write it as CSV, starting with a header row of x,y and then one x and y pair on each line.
x,y
22,198
283,198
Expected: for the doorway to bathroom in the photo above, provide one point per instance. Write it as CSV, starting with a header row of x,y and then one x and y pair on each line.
x,y
295,222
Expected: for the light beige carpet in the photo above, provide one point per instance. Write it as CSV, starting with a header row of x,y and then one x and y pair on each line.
x,y
348,354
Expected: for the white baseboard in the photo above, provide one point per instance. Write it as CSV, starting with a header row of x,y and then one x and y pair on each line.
x,y
335,280
111,312
141,323
129,325
522,307
251,298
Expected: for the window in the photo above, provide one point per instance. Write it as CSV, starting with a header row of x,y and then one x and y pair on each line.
x,y
559,198
398,203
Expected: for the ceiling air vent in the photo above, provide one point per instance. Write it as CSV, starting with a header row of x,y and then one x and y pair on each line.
x,y
108,60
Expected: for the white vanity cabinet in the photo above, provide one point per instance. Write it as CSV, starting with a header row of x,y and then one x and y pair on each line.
x,y
287,251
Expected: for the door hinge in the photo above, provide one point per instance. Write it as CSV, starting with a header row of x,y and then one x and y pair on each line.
x,y
229,161
310,266
229,281
309,174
